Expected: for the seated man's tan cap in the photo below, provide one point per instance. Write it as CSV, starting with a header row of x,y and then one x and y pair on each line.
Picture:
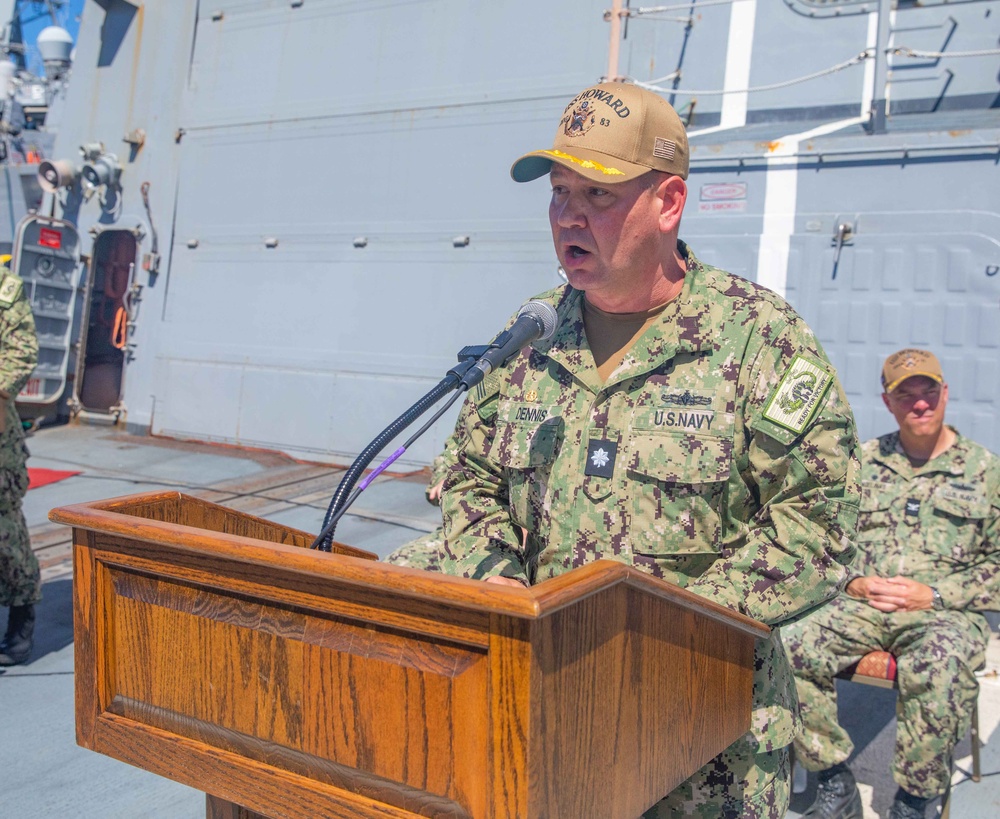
x,y
613,132
908,363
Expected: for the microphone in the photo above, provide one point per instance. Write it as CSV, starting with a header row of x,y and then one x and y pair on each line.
x,y
535,320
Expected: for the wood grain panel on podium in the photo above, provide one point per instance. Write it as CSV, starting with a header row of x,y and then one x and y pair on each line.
x,y
212,648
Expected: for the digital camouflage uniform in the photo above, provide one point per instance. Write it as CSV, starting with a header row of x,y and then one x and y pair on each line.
x,y
19,575
722,458
427,552
938,524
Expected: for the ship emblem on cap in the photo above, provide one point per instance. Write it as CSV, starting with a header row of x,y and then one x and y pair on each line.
x,y
581,119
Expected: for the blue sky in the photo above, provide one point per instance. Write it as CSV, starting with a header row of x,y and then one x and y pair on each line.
x,y
68,18
70,12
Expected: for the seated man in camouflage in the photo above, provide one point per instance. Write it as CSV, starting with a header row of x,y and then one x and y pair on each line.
x,y
928,561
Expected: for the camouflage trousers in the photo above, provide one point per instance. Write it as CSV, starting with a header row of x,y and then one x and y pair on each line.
x,y
937,653
20,580
738,784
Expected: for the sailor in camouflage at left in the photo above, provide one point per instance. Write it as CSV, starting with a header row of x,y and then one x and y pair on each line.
x,y
20,581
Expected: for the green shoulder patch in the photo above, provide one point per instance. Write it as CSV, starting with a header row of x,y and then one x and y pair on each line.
x,y
10,289
797,397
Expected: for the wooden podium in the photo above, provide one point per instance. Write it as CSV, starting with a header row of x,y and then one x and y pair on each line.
x,y
212,648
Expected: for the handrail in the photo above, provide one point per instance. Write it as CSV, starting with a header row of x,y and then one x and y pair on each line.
x,y
904,150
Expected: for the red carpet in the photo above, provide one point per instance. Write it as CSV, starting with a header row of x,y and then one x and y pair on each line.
x,y
41,477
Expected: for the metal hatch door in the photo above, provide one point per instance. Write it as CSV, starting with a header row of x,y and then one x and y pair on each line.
x,y
923,279
46,255
106,326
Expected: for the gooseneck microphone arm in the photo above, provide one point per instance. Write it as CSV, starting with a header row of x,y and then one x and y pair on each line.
x,y
536,320
325,537
324,540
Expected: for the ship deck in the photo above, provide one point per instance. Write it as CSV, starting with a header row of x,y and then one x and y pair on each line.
x,y
46,774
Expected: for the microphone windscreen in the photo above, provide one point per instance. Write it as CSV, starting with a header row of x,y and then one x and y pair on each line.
x,y
544,313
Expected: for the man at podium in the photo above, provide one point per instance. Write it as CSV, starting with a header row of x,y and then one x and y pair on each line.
x,y
681,420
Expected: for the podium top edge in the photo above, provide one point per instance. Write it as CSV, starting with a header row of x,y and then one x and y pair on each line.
x,y
189,546
186,542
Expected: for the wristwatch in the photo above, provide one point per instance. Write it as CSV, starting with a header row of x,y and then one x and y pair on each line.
x,y
936,603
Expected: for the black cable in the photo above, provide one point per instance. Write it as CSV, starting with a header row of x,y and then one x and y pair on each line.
x,y
328,528
324,540
968,776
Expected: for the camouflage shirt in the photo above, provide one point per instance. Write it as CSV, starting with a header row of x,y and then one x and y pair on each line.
x,y
18,355
938,524
443,463
721,456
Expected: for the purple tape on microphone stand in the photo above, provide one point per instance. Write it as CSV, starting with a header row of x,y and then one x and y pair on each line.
x,y
380,469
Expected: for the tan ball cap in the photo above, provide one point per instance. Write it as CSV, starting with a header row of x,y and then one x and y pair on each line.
x,y
908,363
613,132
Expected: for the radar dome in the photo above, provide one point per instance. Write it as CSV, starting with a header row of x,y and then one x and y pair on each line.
x,y
56,46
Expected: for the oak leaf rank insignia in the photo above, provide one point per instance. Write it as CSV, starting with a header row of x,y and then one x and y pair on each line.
x,y
601,457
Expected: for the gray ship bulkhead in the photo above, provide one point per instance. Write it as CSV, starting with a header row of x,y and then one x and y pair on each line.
x,y
328,185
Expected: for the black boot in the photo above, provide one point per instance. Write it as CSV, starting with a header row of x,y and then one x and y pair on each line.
x,y
837,795
907,806
18,641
